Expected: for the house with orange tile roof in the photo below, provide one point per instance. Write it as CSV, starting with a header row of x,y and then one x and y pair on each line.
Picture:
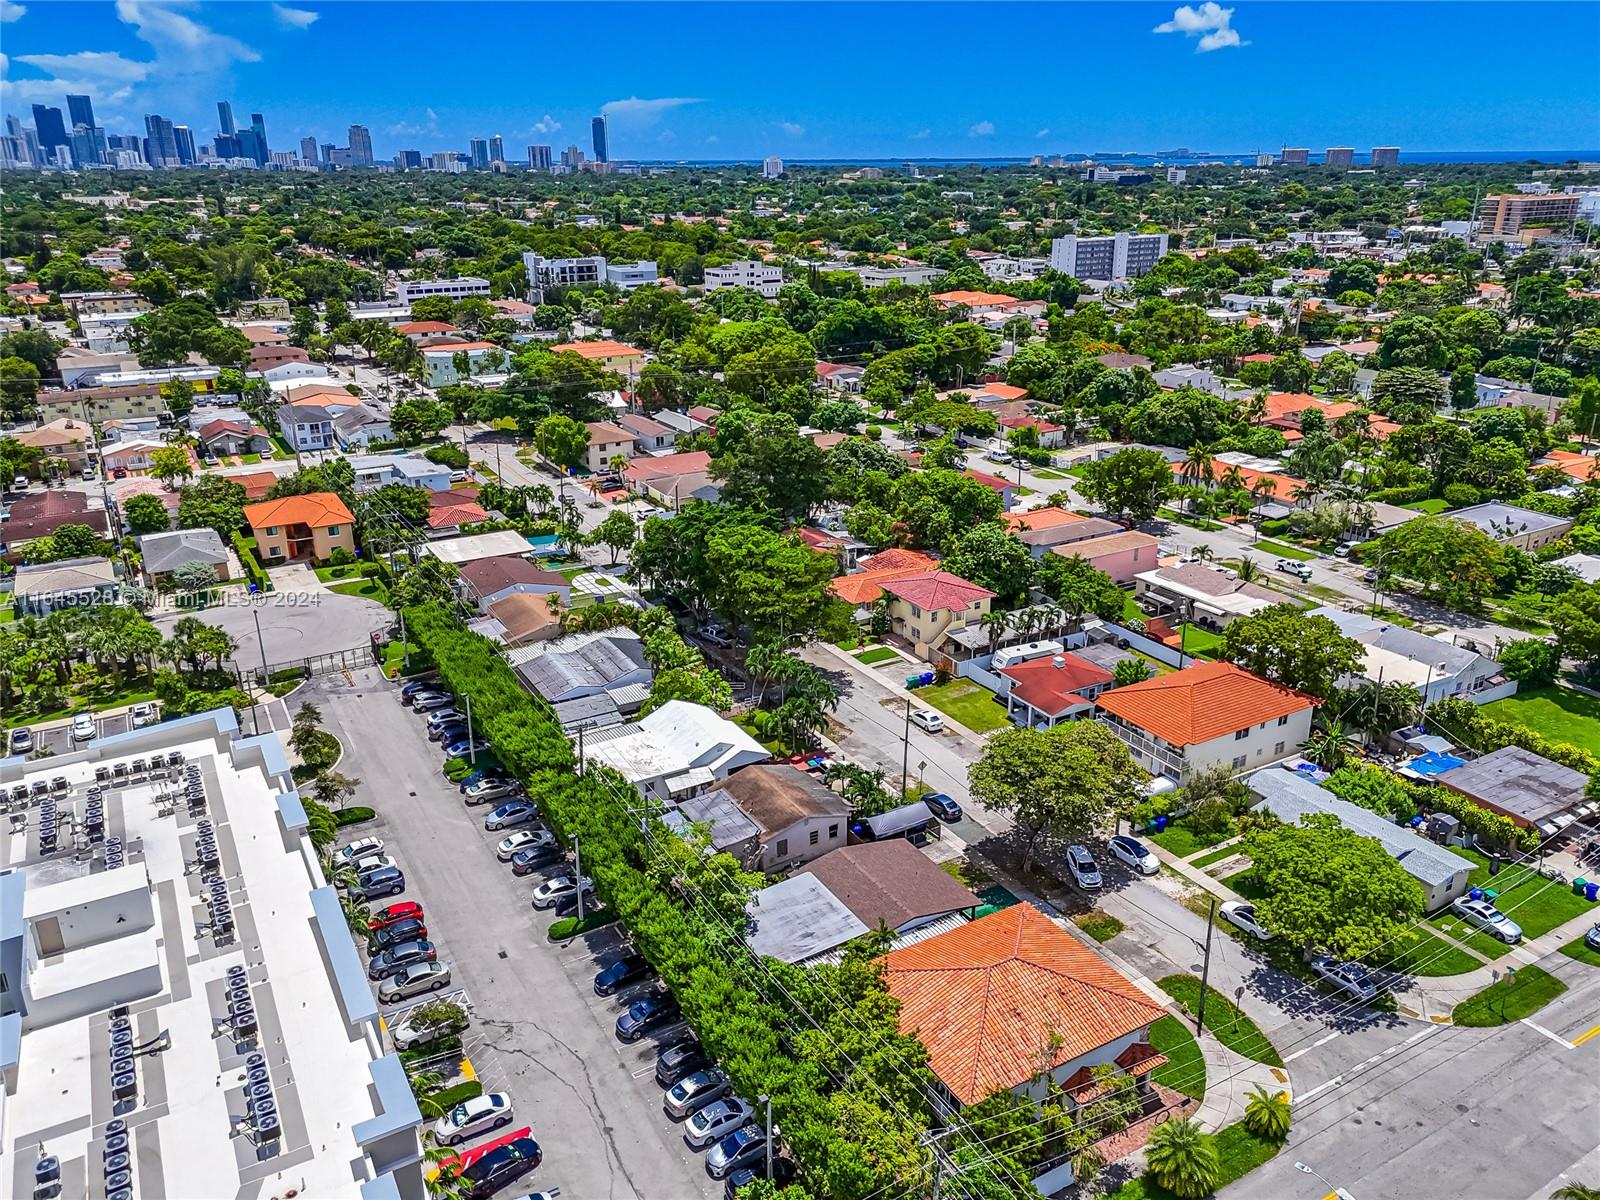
x,y
1263,485
896,557
1208,714
1039,518
977,303
613,356
301,528
927,607
1008,999
998,393
1054,688
1580,467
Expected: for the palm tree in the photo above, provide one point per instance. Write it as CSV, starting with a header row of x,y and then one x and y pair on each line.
x,y
996,623
1267,1114
1248,569
357,914
1330,745
1576,1191
1182,1158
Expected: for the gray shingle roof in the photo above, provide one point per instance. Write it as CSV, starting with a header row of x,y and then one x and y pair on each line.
x,y
165,552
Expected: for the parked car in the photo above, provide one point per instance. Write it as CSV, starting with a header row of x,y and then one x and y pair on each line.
x,y
1134,853
357,850
373,862
491,774
448,732
942,806
1242,914
410,1031
405,910
558,888
738,1149
445,716
693,1092
678,1060
715,1122
414,981
473,1117
410,930
1343,549
716,634
619,973
1347,977
644,1015
486,790
410,691
462,745
1370,575
432,701
567,906
1002,457
526,862
502,1165
142,714
783,1173
1290,567
1482,914
514,812
22,740
924,718
397,958
83,728
522,839
385,881
1085,872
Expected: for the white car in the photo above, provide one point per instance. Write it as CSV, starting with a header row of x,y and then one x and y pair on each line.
x,y
1347,977
1482,914
473,1117
1003,457
1237,912
373,862
363,848
413,981
1134,853
83,728
523,839
553,891
143,714
715,1121
409,1031
1085,871
927,719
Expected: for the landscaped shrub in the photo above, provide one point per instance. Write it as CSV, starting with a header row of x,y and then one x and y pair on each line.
x,y
569,927
353,816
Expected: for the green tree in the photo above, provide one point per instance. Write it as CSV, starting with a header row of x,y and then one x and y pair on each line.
x,y
1285,645
1129,671
179,397
764,463
1409,386
1449,558
1531,661
993,558
1080,588
19,387
211,502
171,462
1268,1114
1129,483
424,581
1064,780
145,514
772,584
194,576
1182,1157
1330,888
617,532
1575,619
561,440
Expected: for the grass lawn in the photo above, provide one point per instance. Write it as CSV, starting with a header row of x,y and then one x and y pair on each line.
x,y
1558,713
1216,856
371,588
967,702
1533,902
1186,1067
1284,550
1238,1151
1431,956
1431,507
1230,1026
1510,999
1050,473
1245,884
394,657
334,574
1102,927
1179,839
1130,608
250,459
877,654
1576,949
1197,641
967,873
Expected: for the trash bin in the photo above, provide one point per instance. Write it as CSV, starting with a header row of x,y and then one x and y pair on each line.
x,y
1474,893
1591,891
1161,824
1578,885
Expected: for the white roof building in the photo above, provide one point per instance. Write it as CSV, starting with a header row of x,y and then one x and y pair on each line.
x,y
675,751
456,551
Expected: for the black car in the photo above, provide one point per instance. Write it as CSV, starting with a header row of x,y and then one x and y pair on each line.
x,y
617,975
397,958
676,1061
644,1015
409,930
448,732
502,1165
783,1173
568,906
525,862
942,806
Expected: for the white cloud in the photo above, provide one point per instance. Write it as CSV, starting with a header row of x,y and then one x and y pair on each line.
x,y
794,130
666,135
105,76
1043,133
645,110
172,33
712,140
981,129
548,125
11,11
1210,22
431,126
921,135
295,18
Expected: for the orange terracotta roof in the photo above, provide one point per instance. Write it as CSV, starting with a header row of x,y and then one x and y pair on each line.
x,y
1265,483
425,327
448,516
972,299
595,349
990,481
989,998
1579,466
937,590
686,462
316,509
1002,390
1203,702
256,484
864,587
1039,518
897,558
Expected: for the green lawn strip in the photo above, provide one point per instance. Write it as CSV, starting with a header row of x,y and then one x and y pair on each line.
x,y
1049,473
1179,839
1429,956
1197,641
967,873
1186,1067
1431,507
1284,550
1559,713
1509,999
1102,927
877,654
1578,950
1532,901
1238,1152
1216,856
967,702
1130,608
360,587
1245,884
1223,1018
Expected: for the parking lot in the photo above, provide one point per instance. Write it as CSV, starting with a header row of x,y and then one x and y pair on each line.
x,y
58,738
539,1032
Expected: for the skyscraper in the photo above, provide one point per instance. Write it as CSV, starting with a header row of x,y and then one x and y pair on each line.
x,y
1385,156
226,145
538,158
572,157
161,144
497,149
480,154
81,110
598,127
409,160
360,146
1339,156
51,129
225,118
1295,156
184,141
259,125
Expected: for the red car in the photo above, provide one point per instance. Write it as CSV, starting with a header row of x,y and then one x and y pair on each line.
x,y
405,910
119,473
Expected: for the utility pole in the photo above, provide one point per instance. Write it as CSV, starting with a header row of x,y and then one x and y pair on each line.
x,y
405,646
580,750
767,1100
905,751
1205,970
577,872
472,742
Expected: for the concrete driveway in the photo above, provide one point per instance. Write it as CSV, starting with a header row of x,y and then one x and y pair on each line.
x,y
294,625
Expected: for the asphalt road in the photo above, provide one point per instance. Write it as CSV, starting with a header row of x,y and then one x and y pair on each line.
x,y
542,1034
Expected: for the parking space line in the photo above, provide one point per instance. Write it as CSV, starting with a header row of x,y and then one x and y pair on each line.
x,y
1554,1037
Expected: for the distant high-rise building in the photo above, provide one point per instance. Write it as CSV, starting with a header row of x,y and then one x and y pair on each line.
x,y
497,149
183,139
327,151
1296,157
409,160
771,167
1385,156
539,158
1509,215
1113,256
225,118
478,154
226,145
258,125
308,150
81,110
250,146
360,146
1339,156
52,130
161,143
123,141
572,158
598,127
1264,160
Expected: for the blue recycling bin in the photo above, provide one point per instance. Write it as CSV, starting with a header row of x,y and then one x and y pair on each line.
x,y
1592,892
1161,824
1474,893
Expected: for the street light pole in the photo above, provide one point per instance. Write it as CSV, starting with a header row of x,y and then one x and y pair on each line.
x,y
767,1100
1300,1166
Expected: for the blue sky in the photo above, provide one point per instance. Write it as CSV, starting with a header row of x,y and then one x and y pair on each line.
x,y
829,79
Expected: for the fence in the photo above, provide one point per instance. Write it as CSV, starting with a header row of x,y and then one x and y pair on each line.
x,y
320,664
1159,651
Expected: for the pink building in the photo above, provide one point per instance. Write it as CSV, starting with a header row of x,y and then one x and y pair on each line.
x,y
1120,555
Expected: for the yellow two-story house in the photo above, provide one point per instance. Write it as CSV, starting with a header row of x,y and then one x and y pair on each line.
x,y
924,609
301,528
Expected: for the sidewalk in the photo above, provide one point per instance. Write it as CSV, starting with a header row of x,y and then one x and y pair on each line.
x,y
1434,998
1229,1079
848,661
1193,874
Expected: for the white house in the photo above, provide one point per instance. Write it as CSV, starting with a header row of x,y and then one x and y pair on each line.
x,y
757,276
441,361
1437,669
307,427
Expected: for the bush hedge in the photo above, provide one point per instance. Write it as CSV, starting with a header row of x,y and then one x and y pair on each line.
x,y
252,566
570,927
352,816
448,1098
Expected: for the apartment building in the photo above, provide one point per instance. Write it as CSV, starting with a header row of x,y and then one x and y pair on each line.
x,y
761,278
456,289
1508,215
1113,256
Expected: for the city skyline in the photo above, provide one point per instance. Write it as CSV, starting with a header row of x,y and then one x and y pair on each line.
x,y
1190,74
